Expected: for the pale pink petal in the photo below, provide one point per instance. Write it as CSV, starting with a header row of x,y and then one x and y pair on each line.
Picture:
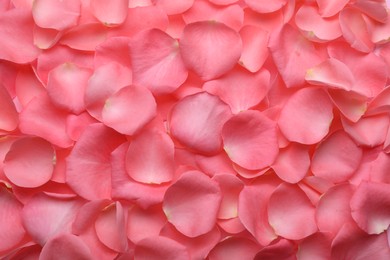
x,y
332,73
8,114
336,158
150,158
307,116
89,164
196,121
129,109
143,223
185,200
375,9
111,50
67,246
231,187
44,216
85,37
174,6
240,89
156,61
105,81
317,28
292,163
12,231
233,248
281,249
370,207
159,247
264,6
111,14
110,227
271,22
41,118
66,86
355,31
293,55
352,243
315,247
328,8
212,165
284,217
198,247
45,38
210,48
32,152
336,199
252,208
250,140
380,32
56,14
231,15
17,36
368,131
351,104
254,47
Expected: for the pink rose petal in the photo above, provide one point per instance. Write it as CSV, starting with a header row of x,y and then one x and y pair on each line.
x,y
159,247
110,15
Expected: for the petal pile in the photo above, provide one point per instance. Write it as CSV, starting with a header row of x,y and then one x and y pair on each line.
x,y
194,129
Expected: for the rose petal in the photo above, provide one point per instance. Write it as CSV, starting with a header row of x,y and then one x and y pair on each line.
x,y
110,15
233,248
158,247
316,246
8,114
264,6
174,6
328,8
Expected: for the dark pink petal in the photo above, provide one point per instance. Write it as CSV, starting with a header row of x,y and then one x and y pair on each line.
x,y
336,158
56,14
159,247
112,50
105,81
264,6
210,48
89,164
8,114
32,152
212,165
355,30
284,217
328,8
281,249
12,231
196,121
186,200
240,89
233,248
316,246
352,243
351,104
292,163
85,37
368,131
332,73
67,246
150,158
307,116
110,227
44,216
317,28
198,247
111,14
336,199
250,140
231,15
174,6
16,32
143,223
41,118
231,187
66,86
370,207
254,47
156,61
252,208
129,109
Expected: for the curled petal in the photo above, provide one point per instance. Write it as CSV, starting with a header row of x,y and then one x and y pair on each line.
x,y
283,216
250,140
185,200
196,121
306,116
210,48
111,14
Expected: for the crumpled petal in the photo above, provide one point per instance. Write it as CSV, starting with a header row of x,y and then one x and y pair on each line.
x,y
210,48
111,14
159,247
307,116
185,199
196,121
250,140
